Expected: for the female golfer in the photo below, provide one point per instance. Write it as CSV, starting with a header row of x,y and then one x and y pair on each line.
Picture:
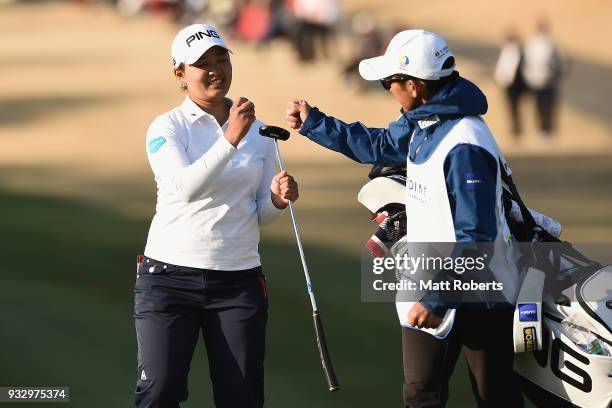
x,y
201,271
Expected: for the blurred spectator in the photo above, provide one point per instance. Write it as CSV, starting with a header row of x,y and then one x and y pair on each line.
x,y
315,23
508,74
189,11
223,14
281,19
254,20
542,70
367,41
131,8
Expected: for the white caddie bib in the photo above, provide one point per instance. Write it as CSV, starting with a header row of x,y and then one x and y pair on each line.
x,y
429,217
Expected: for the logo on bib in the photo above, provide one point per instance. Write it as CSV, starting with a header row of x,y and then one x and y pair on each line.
x,y
416,190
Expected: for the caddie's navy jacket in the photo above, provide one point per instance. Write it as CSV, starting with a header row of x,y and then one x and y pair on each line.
x,y
422,129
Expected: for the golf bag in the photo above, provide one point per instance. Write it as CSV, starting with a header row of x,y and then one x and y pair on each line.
x,y
570,362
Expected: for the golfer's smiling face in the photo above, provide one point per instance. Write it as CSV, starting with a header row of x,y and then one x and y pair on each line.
x,y
210,77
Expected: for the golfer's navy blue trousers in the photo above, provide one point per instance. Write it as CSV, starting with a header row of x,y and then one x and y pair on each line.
x,y
172,305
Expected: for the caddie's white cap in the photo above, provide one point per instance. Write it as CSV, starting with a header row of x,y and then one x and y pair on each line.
x,y
418,53
193,41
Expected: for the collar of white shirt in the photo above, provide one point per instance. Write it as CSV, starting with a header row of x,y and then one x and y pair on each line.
x,y
193,112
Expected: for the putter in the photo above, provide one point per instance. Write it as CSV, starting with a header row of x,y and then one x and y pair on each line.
x,y
277,134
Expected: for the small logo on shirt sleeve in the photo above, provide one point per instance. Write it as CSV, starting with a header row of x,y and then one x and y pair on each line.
x,y
472,181
156,144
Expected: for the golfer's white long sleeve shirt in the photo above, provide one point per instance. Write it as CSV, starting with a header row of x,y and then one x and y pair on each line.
x,y
211,196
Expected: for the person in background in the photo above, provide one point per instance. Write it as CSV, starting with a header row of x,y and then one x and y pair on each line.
x,y
280,20
542,69
508,74
190,10
315,23
223,14
254,21
368,42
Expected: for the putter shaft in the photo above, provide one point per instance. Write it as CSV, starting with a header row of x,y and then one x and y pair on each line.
x,y
328,368
298,237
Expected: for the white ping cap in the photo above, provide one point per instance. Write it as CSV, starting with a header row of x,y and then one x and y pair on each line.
x,y
418,53
193,41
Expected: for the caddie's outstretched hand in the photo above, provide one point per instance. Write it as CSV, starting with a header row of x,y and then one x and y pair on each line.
x,y
296,113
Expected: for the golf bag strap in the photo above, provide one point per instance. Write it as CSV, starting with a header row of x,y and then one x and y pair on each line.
x,y
537,255
531,226
532,230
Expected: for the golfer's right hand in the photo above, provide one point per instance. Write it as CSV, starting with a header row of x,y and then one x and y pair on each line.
x,y
241,117
297,112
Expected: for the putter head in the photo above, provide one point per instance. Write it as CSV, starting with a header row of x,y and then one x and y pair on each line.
x,y
274,132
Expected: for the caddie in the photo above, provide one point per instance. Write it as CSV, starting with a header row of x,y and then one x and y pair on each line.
x,y
448,150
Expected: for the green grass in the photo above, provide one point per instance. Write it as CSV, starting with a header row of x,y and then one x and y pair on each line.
x,y
66,302
67,271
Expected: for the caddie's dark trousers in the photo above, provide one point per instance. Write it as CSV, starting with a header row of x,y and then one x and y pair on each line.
x,y
172,305
486,339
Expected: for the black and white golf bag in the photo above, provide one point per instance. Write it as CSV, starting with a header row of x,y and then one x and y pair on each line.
x,y
562,334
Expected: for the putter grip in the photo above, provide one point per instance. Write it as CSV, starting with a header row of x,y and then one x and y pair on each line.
x,y
330,375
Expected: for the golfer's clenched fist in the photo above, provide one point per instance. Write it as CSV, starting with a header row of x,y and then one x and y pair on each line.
x,y
241,117
284,189
296,113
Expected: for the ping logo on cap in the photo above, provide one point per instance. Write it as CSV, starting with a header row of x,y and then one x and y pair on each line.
x,y
528,312
403,61
201,34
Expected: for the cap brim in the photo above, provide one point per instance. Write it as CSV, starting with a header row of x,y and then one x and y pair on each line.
x,y
196,56
373,69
